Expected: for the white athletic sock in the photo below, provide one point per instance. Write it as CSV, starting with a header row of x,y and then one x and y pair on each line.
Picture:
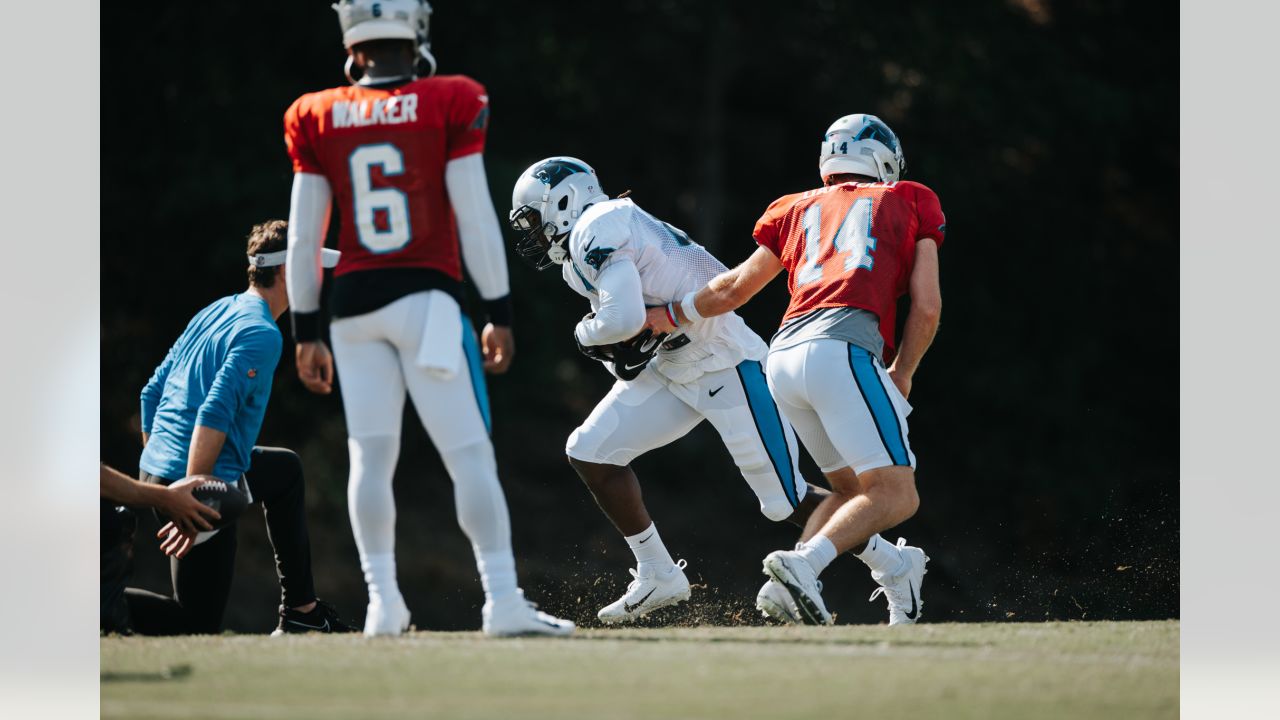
x,y
882,557
819,552
651,554
380,574
497,574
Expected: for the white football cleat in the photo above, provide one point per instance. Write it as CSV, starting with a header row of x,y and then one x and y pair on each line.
x,y
386,616
903,589
797,577
516,616
647,593
775,602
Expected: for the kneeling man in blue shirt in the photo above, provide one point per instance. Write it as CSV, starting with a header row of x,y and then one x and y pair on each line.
x,y
201,413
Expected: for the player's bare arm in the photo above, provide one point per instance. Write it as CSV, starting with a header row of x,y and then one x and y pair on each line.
x,y
176,500
727,292
315,366
923,317
206,445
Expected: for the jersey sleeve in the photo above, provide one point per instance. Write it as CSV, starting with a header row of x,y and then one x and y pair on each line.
x,y
297,139
768,230
931,223
468,118
603,242
250,362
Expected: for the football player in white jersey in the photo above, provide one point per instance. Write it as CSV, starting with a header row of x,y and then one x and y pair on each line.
x,y
621,259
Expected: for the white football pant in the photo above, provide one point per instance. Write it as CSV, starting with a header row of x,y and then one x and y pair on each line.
x,y
380,355
846,410
650,411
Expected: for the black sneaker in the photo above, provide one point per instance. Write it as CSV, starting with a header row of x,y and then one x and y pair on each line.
x,y
322,618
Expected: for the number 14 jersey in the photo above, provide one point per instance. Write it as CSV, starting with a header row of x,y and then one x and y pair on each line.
x,y
851,245
383,151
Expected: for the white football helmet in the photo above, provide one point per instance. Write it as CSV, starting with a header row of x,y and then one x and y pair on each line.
x,y
364,20
861,145
548,199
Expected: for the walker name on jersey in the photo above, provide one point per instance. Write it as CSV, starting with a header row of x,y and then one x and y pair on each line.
x,y
387,111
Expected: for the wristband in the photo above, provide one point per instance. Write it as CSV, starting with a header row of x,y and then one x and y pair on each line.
x,y
690,310
671,315
306,326
499,311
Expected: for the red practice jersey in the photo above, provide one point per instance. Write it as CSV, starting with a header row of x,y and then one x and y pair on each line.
x,y
383,152
851,245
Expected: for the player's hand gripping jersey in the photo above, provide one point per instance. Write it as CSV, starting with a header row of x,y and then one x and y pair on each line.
x,y
614,234
851,245
384,152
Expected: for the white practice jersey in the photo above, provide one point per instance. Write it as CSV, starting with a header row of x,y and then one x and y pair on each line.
x,y
670,265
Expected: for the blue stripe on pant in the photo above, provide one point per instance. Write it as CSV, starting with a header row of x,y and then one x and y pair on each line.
x,y
877,398
475,365
769,424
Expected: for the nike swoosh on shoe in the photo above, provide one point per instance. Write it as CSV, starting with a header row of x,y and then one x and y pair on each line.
x,y
628,607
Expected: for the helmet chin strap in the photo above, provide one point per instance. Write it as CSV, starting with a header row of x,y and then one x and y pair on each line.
x,y
366,79
425,52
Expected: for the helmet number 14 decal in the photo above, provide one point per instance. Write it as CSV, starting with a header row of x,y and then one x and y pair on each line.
x,y
381,214
852,240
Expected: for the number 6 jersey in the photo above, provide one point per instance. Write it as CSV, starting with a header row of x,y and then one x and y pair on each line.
x,y
384,151
850,245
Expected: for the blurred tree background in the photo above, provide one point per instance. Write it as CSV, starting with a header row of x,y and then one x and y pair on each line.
x,y
1045,415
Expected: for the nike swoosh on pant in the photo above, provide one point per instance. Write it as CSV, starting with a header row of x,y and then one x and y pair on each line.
x,y
325,626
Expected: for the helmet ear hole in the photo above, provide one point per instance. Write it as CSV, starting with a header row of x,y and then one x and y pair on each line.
x,y
564,203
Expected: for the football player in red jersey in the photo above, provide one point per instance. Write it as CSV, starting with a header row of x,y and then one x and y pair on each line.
x,y
401,155
851,248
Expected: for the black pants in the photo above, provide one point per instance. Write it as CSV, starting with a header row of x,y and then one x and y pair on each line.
x,y
202,580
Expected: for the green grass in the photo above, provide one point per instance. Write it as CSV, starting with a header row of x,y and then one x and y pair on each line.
x,y
1009,670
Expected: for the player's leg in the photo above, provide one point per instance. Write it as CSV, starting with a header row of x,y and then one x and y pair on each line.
x,y
201,586
373,402
737,402
454,409
275,479
864,418
773,599
202,581
633,418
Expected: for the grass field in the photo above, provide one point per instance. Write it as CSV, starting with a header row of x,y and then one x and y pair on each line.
x,y
1089,670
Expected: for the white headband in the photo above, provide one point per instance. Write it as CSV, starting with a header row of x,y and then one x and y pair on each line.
x,y
328,258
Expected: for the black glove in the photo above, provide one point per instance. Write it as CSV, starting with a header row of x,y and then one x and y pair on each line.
x,y
631,356
602,353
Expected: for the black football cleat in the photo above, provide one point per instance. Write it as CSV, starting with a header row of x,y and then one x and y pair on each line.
x,y
322,618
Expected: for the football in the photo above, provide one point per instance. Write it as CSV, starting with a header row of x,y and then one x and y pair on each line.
x,y
229,500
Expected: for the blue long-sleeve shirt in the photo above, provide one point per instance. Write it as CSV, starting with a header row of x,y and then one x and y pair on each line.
x,y
218,374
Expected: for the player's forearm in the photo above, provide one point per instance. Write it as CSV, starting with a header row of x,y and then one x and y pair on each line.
x,y
926,308
725,293
917,335
309,205
731,289
118,487
206,446
620,314
479,234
